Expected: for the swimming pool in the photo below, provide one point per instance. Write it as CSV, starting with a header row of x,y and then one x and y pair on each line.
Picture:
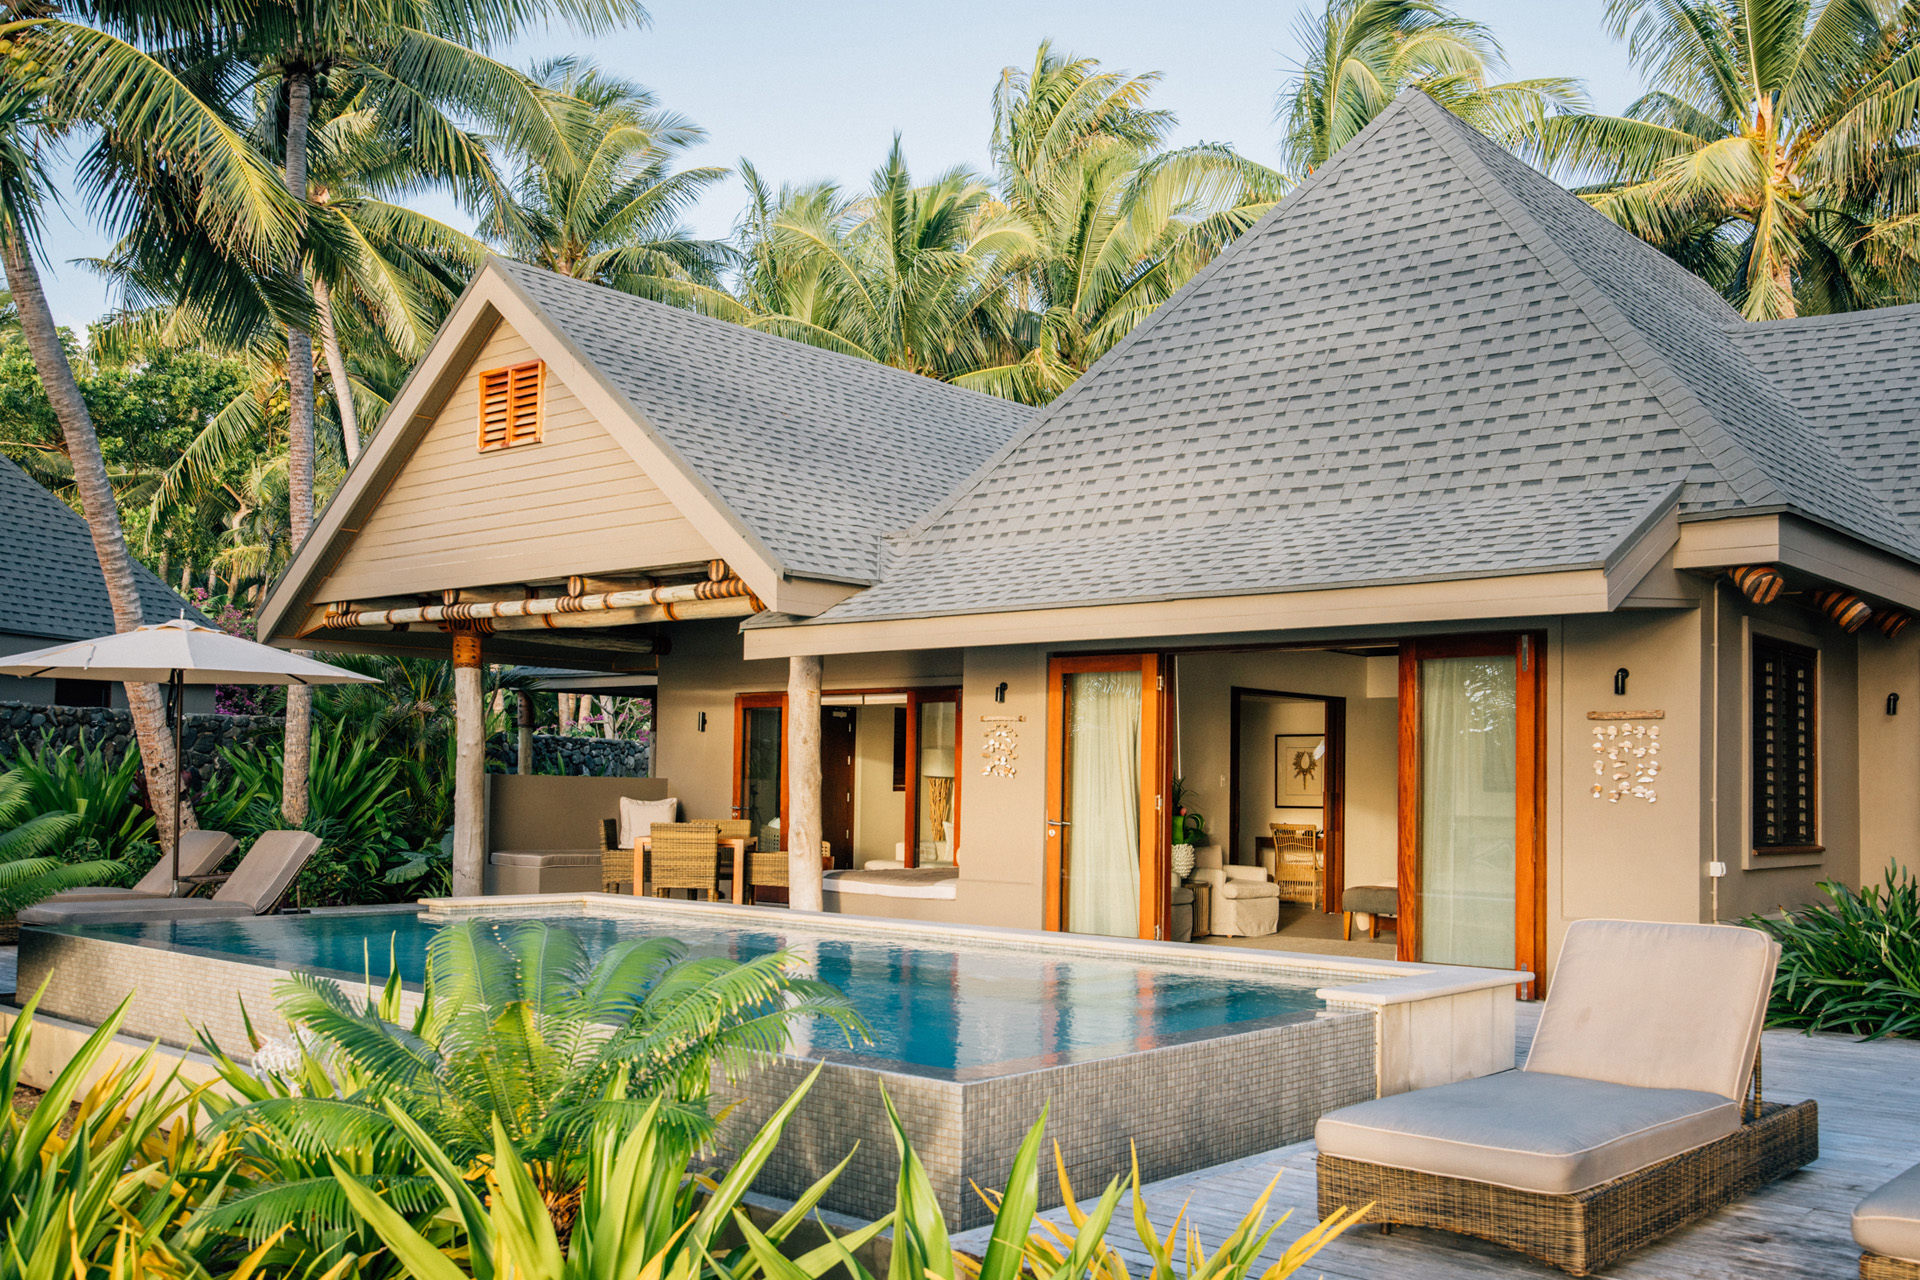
x,y
941,1009
1192,1056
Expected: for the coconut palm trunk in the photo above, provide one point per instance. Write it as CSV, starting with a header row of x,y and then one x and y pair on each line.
x,y
299,744
103,519
337,370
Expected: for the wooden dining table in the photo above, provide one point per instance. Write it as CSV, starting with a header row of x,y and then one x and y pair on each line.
x,y
733,863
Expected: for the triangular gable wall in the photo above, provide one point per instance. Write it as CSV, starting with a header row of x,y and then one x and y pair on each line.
x,y
576,502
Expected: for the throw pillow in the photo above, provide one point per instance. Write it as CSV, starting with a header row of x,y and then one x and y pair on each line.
x,y
638,816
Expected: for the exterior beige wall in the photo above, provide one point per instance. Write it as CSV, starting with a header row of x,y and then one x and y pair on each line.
x,y
1002,820
455,517
1890,755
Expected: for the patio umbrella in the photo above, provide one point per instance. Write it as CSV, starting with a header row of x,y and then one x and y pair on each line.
x,y
176,653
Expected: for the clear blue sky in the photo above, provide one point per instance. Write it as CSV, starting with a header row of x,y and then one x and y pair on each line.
x,y
813,91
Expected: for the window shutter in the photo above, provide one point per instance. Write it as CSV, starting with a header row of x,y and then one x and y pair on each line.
x,y
1785,742
510,405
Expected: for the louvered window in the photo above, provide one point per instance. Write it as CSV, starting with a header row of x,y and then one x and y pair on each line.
x,y
510,401
1785,747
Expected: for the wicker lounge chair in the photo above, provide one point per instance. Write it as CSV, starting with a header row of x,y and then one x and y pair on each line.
x,y
1631,1116
1886,1226
200,853
255,888
685,855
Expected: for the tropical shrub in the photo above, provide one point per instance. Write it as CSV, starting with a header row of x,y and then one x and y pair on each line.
x,y
30,845
518,1028
111,819
1851,964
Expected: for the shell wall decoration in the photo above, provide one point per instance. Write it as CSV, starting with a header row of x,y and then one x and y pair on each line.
x,y
1626,762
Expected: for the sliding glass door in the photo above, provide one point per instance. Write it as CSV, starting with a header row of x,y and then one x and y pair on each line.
x,y
1107,851
1470,803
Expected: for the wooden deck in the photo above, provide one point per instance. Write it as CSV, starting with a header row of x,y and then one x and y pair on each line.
x,y
1869,1098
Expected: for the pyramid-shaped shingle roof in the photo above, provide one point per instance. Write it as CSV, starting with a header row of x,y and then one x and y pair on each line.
x,y
1429,362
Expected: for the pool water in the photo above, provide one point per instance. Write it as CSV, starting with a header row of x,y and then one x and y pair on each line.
x,y
950,1010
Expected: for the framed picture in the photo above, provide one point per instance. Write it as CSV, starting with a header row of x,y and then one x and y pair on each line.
x,y
1299,771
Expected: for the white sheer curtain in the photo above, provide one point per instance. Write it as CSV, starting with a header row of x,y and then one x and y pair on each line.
x,y
1103,803
1467,810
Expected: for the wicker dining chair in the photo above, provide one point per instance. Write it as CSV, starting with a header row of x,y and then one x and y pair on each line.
x,y
686,855
766,868
1298,862
619,869
736,829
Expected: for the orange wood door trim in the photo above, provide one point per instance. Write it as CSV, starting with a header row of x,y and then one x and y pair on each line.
x,y
1407,928
741,701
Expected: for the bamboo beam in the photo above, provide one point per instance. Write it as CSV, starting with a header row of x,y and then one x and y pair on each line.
x,y
666,603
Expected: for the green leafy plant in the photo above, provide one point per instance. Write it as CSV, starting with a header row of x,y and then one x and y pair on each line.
x,y
111,822
1851,964
429,872
519,1026
30,845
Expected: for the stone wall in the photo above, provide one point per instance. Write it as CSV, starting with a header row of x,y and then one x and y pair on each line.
x,y
554,753
24,727
202,738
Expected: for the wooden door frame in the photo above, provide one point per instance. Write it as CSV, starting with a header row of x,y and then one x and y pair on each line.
x,y
1528,649
911,845
1333,807
1156,852
741,702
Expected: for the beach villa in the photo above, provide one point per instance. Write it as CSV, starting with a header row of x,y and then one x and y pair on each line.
x,y
1442,539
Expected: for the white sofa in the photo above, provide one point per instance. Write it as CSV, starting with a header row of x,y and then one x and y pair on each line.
x,y
1246,904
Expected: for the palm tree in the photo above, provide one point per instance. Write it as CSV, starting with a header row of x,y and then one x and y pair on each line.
x,y
1119,223
1362,53
606,205
110,83
1774,153
907,275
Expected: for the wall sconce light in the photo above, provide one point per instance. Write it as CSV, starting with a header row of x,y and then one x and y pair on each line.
x,y
1000,692
1620,683
703,722
1893,704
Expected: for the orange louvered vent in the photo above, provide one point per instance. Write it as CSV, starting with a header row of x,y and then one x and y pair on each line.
x,y
510,405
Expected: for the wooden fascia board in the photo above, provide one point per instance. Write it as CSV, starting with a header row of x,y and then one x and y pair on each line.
x,y
1802,545
425,393
690,495
1641,556
1474,599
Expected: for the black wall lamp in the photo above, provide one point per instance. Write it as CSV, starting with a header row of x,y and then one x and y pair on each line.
x,y
1893,704
1620,683
703,722
1000,692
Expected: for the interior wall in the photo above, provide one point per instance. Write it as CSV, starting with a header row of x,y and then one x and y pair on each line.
x,y
1204,683
879,812
1261,721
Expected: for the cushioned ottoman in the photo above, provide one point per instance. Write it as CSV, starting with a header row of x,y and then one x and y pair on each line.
x,y
1373,901
543,871
1886,1226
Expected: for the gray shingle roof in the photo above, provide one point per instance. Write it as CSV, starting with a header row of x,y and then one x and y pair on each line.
x,y
820,455
1425,350
1856,378
49,574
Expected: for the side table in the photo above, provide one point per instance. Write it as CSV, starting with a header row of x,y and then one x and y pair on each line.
x,y
1202,907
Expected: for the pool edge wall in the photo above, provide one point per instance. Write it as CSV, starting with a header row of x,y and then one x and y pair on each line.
x,y
1183,1107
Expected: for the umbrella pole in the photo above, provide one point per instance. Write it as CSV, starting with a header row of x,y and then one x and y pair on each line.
x,y
175,696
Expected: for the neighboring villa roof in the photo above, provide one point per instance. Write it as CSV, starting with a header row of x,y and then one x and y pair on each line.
x,y
51,579
819,454
1856,378
1429,362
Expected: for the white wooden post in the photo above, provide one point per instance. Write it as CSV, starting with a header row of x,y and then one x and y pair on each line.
x,y
804,819
469,769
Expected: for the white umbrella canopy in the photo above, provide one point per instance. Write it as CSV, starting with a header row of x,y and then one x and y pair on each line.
x,y
161,652
176,652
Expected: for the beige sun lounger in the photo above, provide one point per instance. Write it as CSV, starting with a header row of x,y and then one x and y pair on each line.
x,y
200,853
254,888
1631,1116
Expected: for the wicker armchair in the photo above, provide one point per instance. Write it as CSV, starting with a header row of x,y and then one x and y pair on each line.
x,y
686,855
767,868
618,874
1298,862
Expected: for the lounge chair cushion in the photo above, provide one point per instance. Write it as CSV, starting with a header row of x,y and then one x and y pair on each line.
x,y
1888,1221
1527,1129
200,853
268,869
1658,1006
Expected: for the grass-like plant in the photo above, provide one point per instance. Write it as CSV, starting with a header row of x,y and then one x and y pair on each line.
x,y
1850,964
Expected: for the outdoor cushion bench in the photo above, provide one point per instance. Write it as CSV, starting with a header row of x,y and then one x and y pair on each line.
x,y
1638,1108
1886,1226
